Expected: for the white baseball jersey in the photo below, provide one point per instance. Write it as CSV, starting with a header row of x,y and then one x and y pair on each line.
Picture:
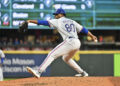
x,y
2,54
66,27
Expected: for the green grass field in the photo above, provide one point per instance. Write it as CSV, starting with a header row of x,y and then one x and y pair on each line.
x,y
6,79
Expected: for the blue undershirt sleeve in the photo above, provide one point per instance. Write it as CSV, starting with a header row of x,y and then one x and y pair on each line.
x,y
84,30
2,60
43,22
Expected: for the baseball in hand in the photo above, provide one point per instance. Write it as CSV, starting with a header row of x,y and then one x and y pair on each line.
x,y
96,40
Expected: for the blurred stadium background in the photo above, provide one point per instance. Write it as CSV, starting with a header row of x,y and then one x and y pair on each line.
x,y
101,17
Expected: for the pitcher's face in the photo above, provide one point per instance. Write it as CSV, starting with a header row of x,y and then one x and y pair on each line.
x,y
58,16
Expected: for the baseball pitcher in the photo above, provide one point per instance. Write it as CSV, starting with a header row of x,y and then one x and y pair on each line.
x,y
2,56
68,29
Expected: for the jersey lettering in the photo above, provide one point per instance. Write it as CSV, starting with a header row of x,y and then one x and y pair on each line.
x,y
70,27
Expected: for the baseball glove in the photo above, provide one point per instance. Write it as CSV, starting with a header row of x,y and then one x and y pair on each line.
x,y
23,27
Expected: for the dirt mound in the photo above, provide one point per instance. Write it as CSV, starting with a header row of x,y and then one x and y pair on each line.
x,y
64,81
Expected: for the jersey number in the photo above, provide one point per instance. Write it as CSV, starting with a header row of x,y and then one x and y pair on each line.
x,y
70,27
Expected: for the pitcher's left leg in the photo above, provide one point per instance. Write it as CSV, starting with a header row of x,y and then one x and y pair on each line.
x,y
56,52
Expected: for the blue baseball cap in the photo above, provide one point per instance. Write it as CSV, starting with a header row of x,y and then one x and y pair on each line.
x,y
59,11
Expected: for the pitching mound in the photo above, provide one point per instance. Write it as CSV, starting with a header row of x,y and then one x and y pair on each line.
x,y
64,81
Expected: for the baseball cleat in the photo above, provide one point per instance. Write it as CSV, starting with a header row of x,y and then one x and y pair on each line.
x,y
83,74
34,72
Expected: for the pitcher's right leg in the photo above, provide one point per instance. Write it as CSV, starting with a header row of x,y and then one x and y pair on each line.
x,y
68,59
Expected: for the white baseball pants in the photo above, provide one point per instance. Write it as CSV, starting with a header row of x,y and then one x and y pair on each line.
x,y
62,50
1,74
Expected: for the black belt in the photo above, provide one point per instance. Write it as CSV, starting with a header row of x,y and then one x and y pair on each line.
x,y
70,37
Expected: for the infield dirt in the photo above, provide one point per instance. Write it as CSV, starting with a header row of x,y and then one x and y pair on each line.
x,y
64,81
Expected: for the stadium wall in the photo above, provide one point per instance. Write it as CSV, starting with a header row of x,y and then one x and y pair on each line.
x,y
96,63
